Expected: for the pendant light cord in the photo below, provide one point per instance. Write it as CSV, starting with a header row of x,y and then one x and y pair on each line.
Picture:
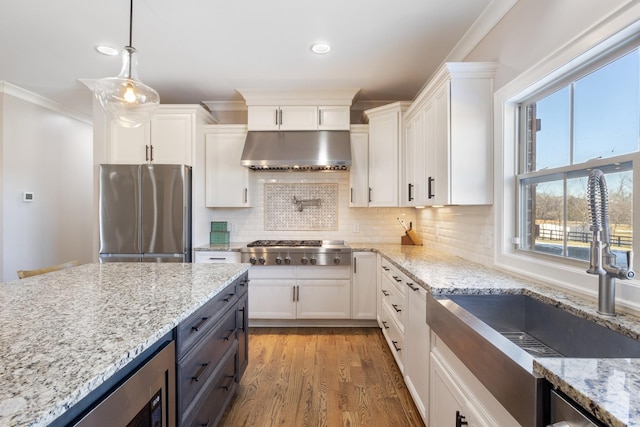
x,y
130,33
131,24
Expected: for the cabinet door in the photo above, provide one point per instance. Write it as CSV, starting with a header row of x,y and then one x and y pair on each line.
x,y
272,299
413,189
129,145
445,406
417,345
324,299
440,169
172,138
359,171
294,117
364,285
263,117
383,160
334,117
227,182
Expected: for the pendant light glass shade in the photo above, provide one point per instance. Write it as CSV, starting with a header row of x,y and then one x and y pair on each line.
x,y
127,100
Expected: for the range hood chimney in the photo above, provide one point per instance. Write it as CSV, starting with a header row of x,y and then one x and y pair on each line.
x,y
324,150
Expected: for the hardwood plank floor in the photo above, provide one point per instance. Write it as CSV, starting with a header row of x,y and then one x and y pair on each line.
x,y
321,377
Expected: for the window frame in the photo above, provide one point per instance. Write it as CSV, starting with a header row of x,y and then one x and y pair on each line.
x,y
599,45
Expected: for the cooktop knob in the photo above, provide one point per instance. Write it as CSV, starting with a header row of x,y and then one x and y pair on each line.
x,y
304,260
287,260
336,260
261,260
252,260
278,260
313,261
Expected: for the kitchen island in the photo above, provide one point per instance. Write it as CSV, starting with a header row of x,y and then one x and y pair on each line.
x,y
64,334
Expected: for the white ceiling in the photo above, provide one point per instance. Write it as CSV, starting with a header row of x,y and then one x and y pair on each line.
x,y
192,51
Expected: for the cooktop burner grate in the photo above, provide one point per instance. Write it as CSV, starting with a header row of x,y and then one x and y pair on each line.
x,y
530,344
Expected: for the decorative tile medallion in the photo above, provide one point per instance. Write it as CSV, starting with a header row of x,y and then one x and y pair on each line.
x,y
300,206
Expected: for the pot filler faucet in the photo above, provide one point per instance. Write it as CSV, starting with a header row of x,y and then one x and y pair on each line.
x,y
602,261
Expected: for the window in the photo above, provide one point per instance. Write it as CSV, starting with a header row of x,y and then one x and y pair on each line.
x,y
591,120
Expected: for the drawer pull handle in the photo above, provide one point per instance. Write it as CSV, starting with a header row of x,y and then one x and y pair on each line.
x,y
397,279
385,293
395,307
198,374
206,424
385,268
413,288
395,345
229,335
228,297
385,324
217,258
243,284
198,325
227,386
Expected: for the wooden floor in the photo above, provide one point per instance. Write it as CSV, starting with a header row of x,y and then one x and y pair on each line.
x,y
321,377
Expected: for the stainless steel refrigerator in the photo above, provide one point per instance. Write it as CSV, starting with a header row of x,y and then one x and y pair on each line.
x,y
145,213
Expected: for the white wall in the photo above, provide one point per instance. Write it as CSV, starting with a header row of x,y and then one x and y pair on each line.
x,y
49,154
529,32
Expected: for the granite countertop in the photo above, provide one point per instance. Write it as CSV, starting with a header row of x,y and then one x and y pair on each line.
x,y
64,333
607,388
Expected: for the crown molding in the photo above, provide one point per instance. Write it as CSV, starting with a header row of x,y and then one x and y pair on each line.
x,y
34,98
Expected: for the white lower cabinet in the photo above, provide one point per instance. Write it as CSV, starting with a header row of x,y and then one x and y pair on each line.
x,y
364,278
285,293
216,257
455,392
417,345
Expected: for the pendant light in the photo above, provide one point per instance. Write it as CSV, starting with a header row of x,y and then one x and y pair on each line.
x,y
127,100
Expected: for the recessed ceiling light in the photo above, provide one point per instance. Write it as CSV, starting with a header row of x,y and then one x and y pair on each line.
x,y
320,48
107,50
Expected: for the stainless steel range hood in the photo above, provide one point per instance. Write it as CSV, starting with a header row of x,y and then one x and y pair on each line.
x,y
324,150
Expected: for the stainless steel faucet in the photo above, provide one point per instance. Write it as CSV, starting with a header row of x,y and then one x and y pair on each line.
x,y
602,260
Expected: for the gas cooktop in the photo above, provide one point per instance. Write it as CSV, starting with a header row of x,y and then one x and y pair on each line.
x,y
286,243
297,252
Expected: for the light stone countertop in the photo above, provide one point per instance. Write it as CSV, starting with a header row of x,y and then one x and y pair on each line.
x,y
64,333
607,388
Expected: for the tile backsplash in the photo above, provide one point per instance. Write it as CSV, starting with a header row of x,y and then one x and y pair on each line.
x,y
301,207
355,225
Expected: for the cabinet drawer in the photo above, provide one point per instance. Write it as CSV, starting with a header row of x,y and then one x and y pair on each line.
x,y
395,304
196,368
398,279
200,323
395,338
215,257
209,408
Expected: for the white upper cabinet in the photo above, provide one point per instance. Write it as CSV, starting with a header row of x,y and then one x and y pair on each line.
x,y
286,117
336,117
295,110
454,143
227,182
359,171
385,134
169,138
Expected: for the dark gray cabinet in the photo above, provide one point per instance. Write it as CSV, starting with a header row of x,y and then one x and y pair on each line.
x,y
211,356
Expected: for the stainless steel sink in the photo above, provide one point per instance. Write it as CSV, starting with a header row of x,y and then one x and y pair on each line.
x,y
498,336
546,331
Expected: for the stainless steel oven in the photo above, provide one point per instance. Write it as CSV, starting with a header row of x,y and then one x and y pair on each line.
x,y
145,399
